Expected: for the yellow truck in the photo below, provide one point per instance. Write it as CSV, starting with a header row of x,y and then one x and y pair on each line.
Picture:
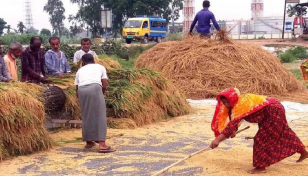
x,y
144,29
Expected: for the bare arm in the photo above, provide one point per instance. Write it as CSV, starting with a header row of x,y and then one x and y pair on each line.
x,y
104,85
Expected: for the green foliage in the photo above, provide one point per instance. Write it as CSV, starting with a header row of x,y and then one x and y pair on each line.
x,y
46,32
287,57
296,10
261,38
300,52
123,9
21,27
56,11
297,73
22,38
2,25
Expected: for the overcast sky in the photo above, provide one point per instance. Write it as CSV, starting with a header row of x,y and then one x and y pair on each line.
x,y
13,11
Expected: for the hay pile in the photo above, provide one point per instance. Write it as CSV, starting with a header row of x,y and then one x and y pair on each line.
x,y
22,118
201,68
133,98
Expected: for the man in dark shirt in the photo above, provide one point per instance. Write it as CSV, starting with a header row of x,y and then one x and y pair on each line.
x,y
204,17
33,62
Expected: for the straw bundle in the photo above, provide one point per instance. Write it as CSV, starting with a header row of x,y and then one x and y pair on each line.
x,y
22,117
203,67
134,97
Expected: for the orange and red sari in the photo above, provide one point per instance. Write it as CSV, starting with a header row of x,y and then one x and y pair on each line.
x,y
304,69
274,141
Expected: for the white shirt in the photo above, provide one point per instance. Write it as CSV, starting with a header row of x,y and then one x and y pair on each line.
x,y
90,74
78,55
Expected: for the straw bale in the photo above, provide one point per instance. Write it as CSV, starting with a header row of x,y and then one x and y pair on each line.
x,y
22,117
203,67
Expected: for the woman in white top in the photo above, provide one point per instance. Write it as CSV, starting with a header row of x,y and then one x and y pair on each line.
x,y
91,84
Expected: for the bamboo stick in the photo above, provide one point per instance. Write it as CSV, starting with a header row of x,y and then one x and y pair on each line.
x,y
189,156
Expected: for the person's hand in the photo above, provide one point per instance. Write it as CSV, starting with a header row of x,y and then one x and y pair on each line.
x,y
60,75
214,144
8,81
45,81
233,135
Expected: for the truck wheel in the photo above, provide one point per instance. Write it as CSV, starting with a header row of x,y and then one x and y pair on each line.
x,y
145,40
128,41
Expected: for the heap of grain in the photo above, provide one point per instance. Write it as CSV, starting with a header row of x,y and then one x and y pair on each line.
x,y
134,97
22,118
203,67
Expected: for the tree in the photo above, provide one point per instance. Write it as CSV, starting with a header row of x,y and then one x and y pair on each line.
x,y
21,27
89,11
2,25
8,27
46,32
296,10
56,11
32,30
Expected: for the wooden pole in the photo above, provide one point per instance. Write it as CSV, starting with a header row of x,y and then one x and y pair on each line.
x,y
189,156
284,18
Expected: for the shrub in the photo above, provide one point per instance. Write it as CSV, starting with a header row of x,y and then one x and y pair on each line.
x,y
300,52
174,37
22,38
287,57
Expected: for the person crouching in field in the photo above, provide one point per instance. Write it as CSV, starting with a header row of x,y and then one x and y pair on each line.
x,y
91,84
274,141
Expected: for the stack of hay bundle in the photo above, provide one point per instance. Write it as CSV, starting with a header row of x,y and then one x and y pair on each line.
x,y
134,97
203,67
22,118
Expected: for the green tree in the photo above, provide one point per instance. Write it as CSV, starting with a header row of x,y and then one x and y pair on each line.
x,y
46,32
296,10
89,11
2,25
56,11
8,27
21,27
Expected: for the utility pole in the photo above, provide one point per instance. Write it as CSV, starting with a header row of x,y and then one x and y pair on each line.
x,y
284,18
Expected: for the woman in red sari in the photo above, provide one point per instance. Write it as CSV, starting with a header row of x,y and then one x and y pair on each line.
x,y
274,141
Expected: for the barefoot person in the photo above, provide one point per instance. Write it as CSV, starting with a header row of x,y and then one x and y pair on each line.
x,y
91,84
274,141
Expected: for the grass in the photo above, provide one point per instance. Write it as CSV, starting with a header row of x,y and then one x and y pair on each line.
x,y
297,73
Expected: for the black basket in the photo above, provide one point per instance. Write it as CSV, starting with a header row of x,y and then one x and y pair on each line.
x,y
54,99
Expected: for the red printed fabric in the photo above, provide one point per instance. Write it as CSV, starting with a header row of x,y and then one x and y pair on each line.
x,y
275,140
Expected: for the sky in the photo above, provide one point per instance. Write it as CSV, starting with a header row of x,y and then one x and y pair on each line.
x,y
13,11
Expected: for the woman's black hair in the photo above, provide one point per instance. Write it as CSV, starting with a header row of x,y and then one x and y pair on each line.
x,y
223,97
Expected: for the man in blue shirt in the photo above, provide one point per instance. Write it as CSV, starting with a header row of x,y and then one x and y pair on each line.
x,y
204,18
55,60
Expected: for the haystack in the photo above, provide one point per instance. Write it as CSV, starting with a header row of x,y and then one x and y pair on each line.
x,y
203,67
22,118
134,97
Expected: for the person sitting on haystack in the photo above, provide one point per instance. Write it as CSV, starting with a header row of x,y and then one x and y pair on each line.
x,y
33,62
274,141
91,84
10,59
304,68
204,18
55,60
4,73
85,49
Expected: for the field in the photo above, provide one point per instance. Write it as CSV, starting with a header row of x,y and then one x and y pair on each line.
x,y
150,148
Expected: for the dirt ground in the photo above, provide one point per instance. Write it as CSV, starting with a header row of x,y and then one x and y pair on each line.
x,y
146,150
275,41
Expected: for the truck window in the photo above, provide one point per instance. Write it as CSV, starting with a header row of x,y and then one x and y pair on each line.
x,y
133,24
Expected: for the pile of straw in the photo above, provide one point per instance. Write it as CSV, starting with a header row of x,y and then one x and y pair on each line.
x,y
202,68
22,117
134,97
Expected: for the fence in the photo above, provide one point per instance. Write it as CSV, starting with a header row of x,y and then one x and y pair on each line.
x,y
259,36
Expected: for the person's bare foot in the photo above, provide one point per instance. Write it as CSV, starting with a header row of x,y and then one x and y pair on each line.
x,y
257,171
303,156
89,144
